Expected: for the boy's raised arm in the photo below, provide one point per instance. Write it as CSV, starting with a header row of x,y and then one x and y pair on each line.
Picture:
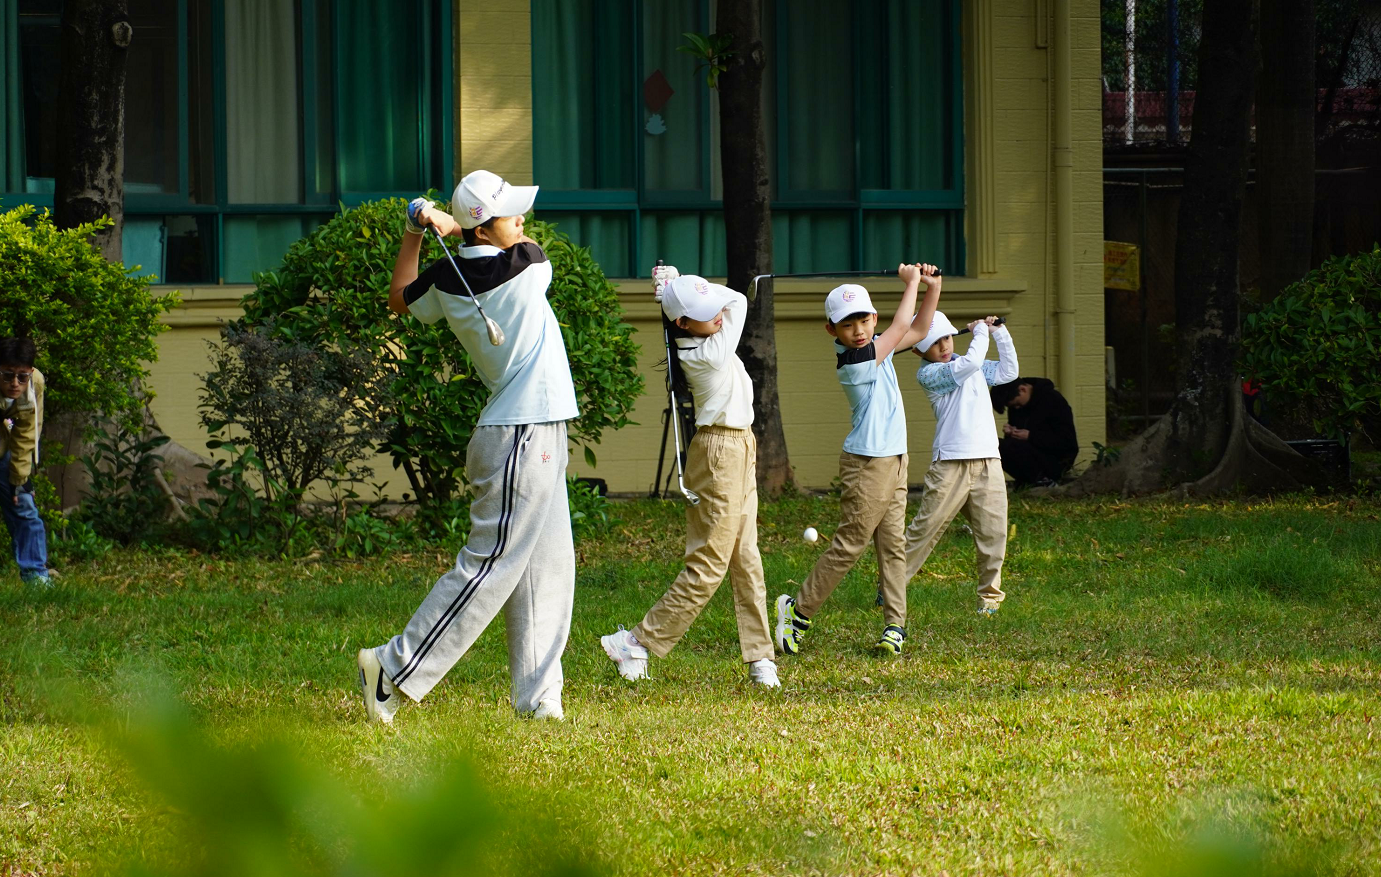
x,y
420,214
888,340
920,325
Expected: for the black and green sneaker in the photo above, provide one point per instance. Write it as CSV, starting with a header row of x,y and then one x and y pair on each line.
x,y
791,628
891,641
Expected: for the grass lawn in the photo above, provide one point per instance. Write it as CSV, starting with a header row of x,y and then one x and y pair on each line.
x,y
1163,676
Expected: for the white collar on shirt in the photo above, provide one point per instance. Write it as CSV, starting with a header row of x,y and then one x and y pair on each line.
x,y
479,251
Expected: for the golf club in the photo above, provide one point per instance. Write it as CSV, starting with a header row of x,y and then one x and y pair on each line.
x,y
966,330
691,496
495,333
752,291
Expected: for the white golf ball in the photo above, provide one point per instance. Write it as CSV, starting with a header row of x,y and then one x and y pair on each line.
x,y
810,535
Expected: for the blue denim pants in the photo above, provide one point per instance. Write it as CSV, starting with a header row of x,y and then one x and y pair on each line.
x,y
26,527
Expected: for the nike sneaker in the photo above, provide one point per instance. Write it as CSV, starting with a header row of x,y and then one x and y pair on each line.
x,y
381,699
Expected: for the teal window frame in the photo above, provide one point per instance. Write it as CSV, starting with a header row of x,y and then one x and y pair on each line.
x,y
436,136
637,201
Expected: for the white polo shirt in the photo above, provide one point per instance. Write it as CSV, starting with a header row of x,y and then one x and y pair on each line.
x,y
719,383
965,428
528,376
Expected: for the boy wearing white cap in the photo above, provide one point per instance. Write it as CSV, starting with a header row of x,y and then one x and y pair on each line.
x,y
873,464
966,467
520,557
705,321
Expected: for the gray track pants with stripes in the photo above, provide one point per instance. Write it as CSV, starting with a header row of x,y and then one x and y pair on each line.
x,y
520,558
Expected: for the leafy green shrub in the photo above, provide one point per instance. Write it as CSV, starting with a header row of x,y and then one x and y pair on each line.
x,y
124,501
95,324
1315,348
332,291
589,508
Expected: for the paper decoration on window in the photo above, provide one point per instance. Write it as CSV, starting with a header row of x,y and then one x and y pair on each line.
x,y
656,125
657,91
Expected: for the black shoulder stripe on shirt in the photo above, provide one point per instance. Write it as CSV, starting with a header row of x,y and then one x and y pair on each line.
x,y
483,274
856,355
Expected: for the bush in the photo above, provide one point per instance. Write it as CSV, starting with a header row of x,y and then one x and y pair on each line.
x,y
94,323
124,501
332,290
1315,347
307,412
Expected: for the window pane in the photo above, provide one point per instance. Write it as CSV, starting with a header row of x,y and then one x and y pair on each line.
x,y
583,95
379,88
29,94
153,117
676,134
812,240
605,233
169,249
262,111
891,236
906,84
201,111
817,94
692,241
257,243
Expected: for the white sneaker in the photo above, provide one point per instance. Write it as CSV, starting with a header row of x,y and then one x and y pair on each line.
x,y
625,651
764,673
549,709
381,699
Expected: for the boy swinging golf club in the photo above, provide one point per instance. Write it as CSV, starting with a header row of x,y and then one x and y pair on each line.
x,y
520,557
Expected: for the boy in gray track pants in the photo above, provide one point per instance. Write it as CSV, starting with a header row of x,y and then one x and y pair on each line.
x,y
520,557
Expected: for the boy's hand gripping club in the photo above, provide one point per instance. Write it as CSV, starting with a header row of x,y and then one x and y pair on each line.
x,y
691,496
495,333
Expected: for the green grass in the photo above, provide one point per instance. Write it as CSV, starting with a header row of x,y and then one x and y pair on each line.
x,y
1163,676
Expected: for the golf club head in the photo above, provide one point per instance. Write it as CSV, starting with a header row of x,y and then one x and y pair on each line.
x,y
751,293
495,333
691,496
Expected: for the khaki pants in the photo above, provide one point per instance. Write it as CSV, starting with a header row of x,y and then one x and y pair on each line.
x,y
721,537
872,506
976,488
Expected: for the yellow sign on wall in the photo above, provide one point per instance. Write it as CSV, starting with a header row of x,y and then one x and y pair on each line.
x,y
1121,266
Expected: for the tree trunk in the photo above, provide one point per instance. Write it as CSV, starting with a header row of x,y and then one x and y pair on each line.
x,y
1285,143
91,118
748,226
90,184
1205,444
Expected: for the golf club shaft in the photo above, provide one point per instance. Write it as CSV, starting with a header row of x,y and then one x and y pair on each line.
x,y
489,324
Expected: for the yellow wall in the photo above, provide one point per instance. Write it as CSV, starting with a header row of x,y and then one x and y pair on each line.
x,y
1010,236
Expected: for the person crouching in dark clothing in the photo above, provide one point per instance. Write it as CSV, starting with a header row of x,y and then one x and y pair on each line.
x,y
1038,443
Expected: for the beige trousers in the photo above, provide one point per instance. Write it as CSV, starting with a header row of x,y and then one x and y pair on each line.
x,y
872,506
976,488
721,537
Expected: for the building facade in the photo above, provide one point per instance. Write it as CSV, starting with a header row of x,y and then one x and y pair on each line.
x,y
961,133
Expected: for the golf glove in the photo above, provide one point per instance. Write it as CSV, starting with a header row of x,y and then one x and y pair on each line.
x,y
661,276
414,214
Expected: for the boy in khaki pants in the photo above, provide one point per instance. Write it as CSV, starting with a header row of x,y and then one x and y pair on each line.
x,y
873,465
966,468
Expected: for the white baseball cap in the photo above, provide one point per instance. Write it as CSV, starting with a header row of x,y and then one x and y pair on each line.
x,y
940,326
850,298
694,297
482,195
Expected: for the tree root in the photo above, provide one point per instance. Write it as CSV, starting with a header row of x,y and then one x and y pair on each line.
x,y
1253,460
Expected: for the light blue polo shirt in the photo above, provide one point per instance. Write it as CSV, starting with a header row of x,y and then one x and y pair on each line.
x,y
879,421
